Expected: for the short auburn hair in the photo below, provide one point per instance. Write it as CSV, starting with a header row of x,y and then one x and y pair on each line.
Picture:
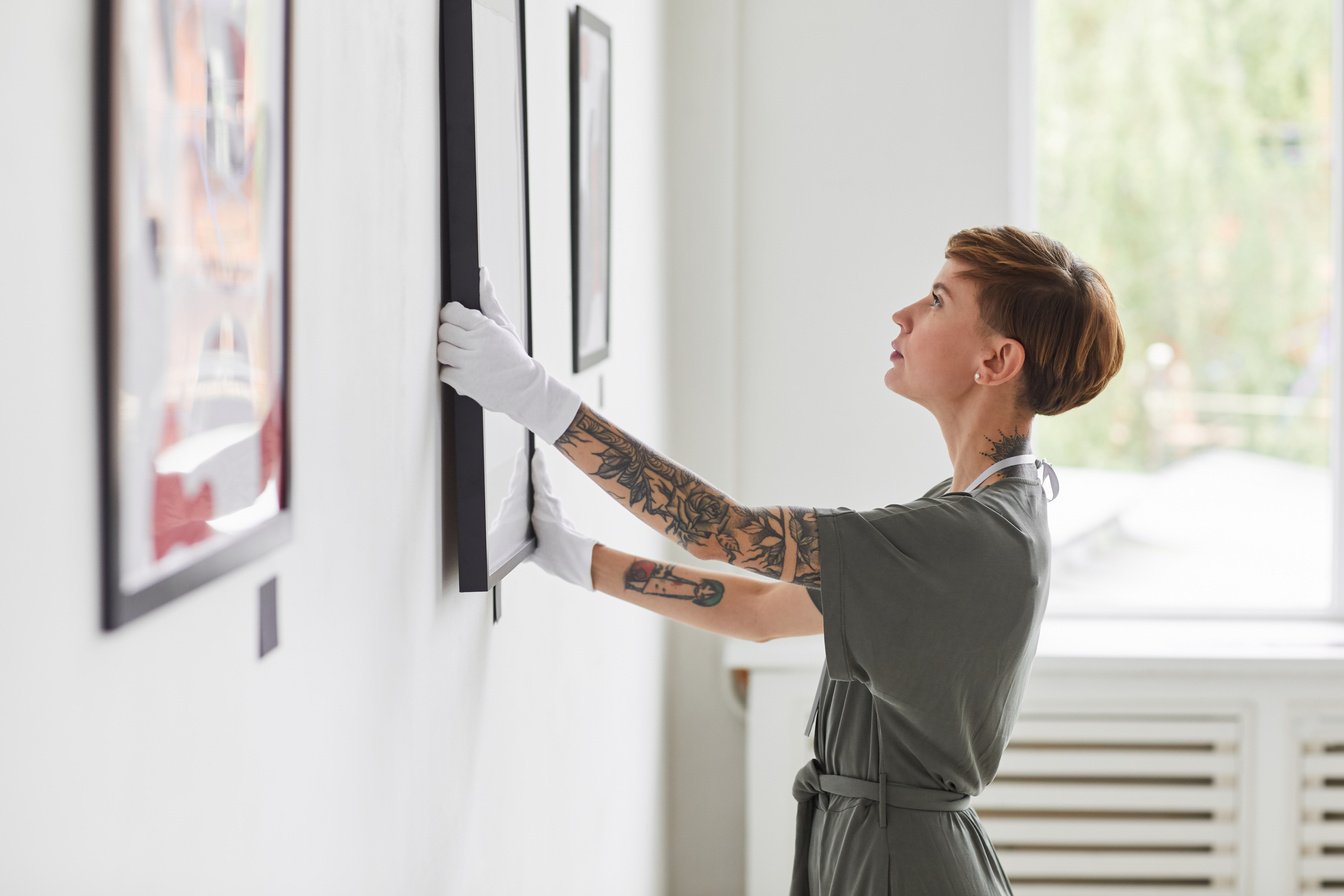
x,y
1034,290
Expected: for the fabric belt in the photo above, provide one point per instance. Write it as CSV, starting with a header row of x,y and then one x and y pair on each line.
x,y
810,781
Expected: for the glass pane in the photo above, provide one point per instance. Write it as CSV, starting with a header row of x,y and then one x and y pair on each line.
x,y
1184,149
198,279
502,247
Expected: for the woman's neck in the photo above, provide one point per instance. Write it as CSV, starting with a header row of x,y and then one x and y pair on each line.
x,y
976,441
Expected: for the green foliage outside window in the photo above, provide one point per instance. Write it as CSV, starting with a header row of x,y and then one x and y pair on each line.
x,y
1183,147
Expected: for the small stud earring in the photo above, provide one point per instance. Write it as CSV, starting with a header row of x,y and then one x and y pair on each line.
x,y
977,377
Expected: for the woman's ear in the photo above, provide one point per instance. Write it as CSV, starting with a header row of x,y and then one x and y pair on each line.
x,y
1004,363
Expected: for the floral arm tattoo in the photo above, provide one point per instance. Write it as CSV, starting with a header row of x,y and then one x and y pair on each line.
x,y
779,542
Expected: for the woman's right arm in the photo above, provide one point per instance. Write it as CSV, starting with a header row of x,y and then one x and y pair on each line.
x,y
779,542
738,606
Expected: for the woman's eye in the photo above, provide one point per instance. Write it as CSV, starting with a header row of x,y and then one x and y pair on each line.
x,y
937,302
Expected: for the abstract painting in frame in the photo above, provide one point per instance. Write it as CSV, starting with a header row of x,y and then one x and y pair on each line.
x,y
590,186
192,151
483,165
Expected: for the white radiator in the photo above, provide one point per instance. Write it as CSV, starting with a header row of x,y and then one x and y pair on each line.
x,y
1119,805
1321,805
1125,775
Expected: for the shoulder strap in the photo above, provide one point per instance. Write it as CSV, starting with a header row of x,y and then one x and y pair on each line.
x,y
1043,469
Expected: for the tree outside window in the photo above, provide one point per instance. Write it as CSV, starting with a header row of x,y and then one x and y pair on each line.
x,y
1184,148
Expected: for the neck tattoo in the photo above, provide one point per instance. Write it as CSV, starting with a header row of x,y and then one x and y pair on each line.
x,y
1010,445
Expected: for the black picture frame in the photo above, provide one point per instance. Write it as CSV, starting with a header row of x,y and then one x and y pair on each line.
x,y
482,442
169,509
590,130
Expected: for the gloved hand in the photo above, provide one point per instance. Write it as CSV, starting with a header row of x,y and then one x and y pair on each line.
x,y
562,550
483,358
512,512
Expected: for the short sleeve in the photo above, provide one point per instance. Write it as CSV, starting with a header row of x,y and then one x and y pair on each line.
x,y
914,593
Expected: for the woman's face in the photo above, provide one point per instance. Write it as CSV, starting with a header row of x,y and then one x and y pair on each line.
x,y
941,342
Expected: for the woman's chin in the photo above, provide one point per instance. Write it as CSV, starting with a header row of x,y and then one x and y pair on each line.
x,y
893,381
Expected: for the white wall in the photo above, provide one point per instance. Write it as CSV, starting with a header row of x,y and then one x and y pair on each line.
x,y
396,742
870,133
706,745
822,154
814,159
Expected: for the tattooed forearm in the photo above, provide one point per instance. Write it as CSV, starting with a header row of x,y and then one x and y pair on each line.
x,y
693,510
780,542
719,602
1010,445
648,577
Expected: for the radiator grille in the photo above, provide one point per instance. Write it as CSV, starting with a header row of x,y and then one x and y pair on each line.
x,y
1321,816
1118,805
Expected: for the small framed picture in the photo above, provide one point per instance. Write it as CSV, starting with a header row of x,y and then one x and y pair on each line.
x,y
590,186
193,251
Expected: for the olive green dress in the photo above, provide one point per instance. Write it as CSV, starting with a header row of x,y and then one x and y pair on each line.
x,y
931,613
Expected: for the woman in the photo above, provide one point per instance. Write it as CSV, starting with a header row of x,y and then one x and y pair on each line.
x,y
929,610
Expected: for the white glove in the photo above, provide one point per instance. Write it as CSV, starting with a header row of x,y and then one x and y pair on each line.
x,y
562,550
483,358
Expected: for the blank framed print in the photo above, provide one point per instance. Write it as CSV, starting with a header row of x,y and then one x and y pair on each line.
x,y
485,222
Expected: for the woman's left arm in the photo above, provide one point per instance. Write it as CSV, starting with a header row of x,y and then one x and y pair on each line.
x,y
779,542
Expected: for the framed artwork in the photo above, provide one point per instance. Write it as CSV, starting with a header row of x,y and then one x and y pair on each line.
x,y
483,166
193,253
590,185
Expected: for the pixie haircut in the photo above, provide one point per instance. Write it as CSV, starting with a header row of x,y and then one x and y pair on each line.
x,y
1032,289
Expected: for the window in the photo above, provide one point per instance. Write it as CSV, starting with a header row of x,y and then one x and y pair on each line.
x,y
1188,150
